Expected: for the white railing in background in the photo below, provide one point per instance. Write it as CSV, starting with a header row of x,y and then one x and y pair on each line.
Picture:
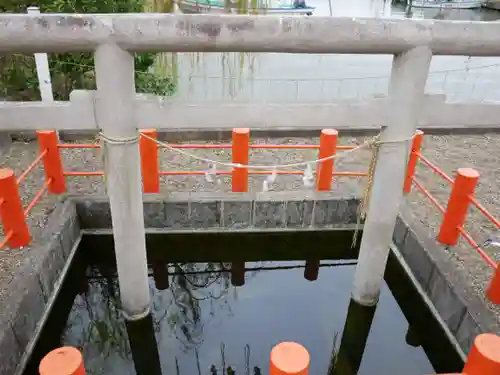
x,y
464,85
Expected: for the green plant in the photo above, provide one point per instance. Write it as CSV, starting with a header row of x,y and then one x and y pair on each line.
x,y
18,79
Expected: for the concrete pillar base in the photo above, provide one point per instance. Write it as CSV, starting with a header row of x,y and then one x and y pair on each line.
x,y
365,300
136,316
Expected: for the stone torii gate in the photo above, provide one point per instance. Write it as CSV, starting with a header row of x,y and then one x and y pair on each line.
x,y
114,107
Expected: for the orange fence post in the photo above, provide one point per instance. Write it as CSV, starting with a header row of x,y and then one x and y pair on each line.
x,y
413,160
289,358
11,211
484,356
327,147
241,140
149,162
52,162
458,204
62,361
493,292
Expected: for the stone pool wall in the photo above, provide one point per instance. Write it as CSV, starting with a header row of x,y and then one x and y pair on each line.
x,y
31,294
464,314
230,211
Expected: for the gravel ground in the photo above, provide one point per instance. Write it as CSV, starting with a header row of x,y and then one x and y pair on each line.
x,y
448,152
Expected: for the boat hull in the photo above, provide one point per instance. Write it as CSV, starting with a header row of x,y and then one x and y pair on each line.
x,y
193,7
447,4
492,5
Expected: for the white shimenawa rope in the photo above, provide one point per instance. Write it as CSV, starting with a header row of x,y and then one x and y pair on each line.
x,y
119,140
372,143
114,141
369,142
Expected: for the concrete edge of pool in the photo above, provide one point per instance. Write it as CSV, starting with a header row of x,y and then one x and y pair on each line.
x,y
463,312
32,293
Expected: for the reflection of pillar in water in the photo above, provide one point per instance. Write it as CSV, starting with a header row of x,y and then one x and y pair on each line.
x,y
238,273
143,345
160,275
412,338
311,270
83,283
108,273
352,345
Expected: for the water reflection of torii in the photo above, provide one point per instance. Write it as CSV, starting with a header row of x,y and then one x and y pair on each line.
x,y
146,357
346,361
182,284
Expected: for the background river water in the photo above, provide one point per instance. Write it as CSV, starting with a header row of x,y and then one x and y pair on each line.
x,y
300,78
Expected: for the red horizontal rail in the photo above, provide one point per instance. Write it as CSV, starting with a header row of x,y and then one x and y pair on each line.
x,y
467,237
190,173
83,173
485,212
350,174
448,179
435,168
298,173
478,248
78,145
210,146
6,239
284,147
428,195
200,146
462,231
201,173
31,167
256,146
298,147
37,197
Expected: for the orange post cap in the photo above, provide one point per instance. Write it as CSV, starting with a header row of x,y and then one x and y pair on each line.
x,y
289,358
62,361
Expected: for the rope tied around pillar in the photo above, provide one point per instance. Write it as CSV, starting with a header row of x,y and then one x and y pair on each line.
x,y
102,139
119,140
363,204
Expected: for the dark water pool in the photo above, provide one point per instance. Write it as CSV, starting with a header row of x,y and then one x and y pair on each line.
x,y
210,318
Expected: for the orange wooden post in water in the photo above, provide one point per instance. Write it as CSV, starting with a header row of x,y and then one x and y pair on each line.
x,y
484,356
413,160
11,211
238,273
241,140
52,162
458,204
289,358
62,361
327,147
493,292
149,162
